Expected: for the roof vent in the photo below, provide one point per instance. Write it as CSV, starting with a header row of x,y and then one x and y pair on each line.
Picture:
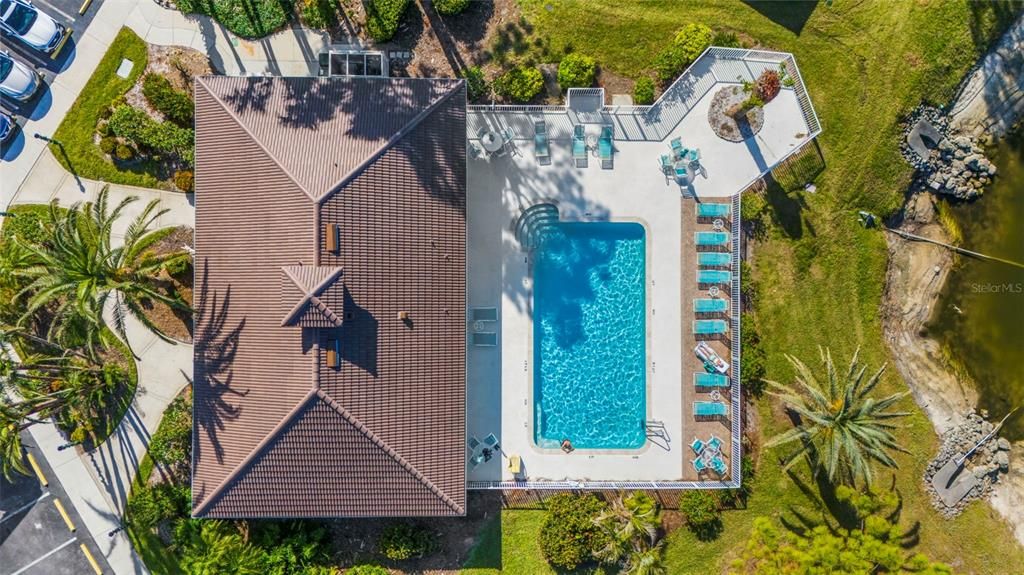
x,y
403,315
332,238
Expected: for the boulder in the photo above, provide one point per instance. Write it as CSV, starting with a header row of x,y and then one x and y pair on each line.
x,y
1003,444
1002,461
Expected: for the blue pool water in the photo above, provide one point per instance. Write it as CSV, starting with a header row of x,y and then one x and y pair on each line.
x,y
589,336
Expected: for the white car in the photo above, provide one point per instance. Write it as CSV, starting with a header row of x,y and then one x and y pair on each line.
x,y
21,19
17,81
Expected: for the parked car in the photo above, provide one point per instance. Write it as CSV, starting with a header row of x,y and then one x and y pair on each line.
x,y
21,19
17,80
8,127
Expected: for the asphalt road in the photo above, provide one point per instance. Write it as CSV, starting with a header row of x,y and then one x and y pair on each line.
x,y
65,12
34,537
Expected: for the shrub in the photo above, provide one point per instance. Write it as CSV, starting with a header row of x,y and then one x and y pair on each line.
x,y
383,17
569,536
688,44
317,13
476,83
171,445
402,541
246,18
520,84
107,144
768,85
135,125
367,570
643,91
151,505
450,7
175,105
103,129
184,180
105,113
726,39
124,152
752,368
700,508
576,71
30,225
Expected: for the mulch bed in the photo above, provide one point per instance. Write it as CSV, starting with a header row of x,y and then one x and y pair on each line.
x,y
730,128
175,323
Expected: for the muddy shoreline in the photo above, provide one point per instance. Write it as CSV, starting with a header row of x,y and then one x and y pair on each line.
x,y
918,271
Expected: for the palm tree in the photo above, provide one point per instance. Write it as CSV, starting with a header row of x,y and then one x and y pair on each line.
x,y
79,271
214,547
631,524
645,561
841,429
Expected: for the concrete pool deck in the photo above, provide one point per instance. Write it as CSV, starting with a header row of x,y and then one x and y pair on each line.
x,y
500,188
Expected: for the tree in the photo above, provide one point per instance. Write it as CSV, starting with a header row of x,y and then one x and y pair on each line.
x,y
876,546
79,271
841,428
212,547
631,525
569,537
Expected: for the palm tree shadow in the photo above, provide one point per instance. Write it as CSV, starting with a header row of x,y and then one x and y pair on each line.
x,y
214,351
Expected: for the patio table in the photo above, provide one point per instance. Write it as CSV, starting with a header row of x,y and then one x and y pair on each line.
x,y
491,141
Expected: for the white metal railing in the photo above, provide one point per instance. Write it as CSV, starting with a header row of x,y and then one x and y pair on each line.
x,y
600,485
737,312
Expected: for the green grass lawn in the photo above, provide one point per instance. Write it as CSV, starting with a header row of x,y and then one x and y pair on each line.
x,y
821,275
77,150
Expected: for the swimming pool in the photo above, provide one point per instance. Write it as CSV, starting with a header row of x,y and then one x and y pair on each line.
x,y
589,335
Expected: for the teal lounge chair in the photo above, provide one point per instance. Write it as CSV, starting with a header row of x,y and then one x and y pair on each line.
x,y
485,338
710,326
699,465
711,238
714,443
719,466
703,381
697,445
579,146
710,305
713,277
484,314
709,409
681,173
540,142
714,259
604,146
713,210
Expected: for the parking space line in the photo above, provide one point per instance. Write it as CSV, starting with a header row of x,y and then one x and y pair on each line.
x,y
64,514
38,470
88,555
56,9
85,6
45,557
24,507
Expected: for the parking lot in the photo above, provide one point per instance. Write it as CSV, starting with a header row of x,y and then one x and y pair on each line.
x,y
65,12
35,536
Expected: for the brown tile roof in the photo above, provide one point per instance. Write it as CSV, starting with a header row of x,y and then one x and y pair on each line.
x,y
278,432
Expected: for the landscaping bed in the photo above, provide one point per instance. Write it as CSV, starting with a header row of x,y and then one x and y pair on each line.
x,y
175,323
136,130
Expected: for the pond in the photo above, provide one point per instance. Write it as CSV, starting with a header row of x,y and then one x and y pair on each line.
x,y
980,315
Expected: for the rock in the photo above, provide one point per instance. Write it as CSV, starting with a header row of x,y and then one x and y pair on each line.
x,y
946,146
1002,461
1003,444
959,154
979,472
986,427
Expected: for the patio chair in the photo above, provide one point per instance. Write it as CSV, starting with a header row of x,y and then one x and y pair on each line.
x,y
719,466
710,327
481,131
715,443
540,142
579,147
710,210
677,147
485,338
710,305
604,147
705,381
699,465
714,259
697,445
711,238
681,173
666,165
709,409
484,314
713,277
693,155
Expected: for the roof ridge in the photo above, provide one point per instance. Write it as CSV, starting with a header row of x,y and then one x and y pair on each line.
x,y
271,435
201,80
308,293
395,138
390,451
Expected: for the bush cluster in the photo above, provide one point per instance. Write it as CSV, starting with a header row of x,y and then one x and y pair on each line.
x,y
103,128
124,152
476,84
643,91
171,445
401,541
30,225
768,85
184,180
175,105
450,7
317,13
700,508
752,368
383,17
576,71
107,144
688,44
147,507
520,84
367,570
569,537
135,125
